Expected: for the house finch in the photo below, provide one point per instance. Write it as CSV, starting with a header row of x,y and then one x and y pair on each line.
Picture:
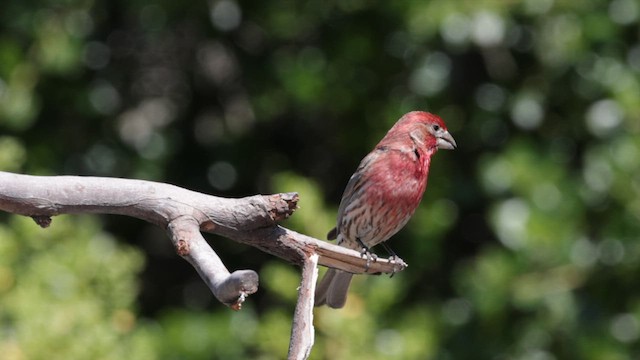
x,y
383,193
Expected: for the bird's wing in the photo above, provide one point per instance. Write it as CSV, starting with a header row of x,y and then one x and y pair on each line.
x,y
353,187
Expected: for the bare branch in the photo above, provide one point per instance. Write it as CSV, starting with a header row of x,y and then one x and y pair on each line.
x,y
302,332
281,242
46,196
229,289
251,220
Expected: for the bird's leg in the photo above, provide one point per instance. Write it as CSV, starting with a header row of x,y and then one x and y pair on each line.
x,y
393,257
367,252
392,254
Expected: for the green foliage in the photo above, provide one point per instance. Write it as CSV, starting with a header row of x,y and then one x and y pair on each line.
x,y
12,154
68,292
525,246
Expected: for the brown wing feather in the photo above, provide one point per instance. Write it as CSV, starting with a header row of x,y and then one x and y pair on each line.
x,y
354,184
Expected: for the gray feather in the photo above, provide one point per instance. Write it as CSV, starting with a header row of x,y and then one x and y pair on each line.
x,y
333,288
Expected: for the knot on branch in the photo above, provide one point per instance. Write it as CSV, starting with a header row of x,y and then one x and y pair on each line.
x,y
182,247
42,220
282,205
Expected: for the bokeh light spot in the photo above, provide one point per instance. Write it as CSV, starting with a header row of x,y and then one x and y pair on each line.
x,y
584,253
456,29
432,76
603,117
137,126
226,15
511,222
547,196
487,29
527,112
538,7
389,342
457,311
597,174
104,98
625,328
222,175
623,12
496,176
490,97
611,251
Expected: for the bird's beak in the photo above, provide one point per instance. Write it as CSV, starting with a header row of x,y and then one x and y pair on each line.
x,y
445,141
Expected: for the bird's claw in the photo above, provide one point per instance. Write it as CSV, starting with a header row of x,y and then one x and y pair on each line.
x,y
366,252
398,264
370,257
393,259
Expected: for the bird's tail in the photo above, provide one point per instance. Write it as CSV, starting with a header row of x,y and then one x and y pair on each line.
x,y
332,289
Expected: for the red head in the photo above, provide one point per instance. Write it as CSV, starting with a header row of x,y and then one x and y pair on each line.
x,y
427,130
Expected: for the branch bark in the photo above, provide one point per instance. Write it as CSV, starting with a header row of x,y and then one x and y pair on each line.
x,y
302,332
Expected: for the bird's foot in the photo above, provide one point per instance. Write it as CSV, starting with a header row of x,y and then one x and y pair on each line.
x,y
366,252
393,259
370,257
398,264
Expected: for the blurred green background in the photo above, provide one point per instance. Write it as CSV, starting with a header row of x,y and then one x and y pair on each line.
x,y
526,243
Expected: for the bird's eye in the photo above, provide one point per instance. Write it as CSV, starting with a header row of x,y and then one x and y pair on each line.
x,y
436,127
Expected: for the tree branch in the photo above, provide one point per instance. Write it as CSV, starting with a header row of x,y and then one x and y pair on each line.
x,y
229,289
184,214
302,333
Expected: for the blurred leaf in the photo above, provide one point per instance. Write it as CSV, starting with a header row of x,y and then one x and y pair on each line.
x,y
12,154
70,288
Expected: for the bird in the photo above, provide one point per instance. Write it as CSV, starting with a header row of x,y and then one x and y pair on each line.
x,y
383,194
